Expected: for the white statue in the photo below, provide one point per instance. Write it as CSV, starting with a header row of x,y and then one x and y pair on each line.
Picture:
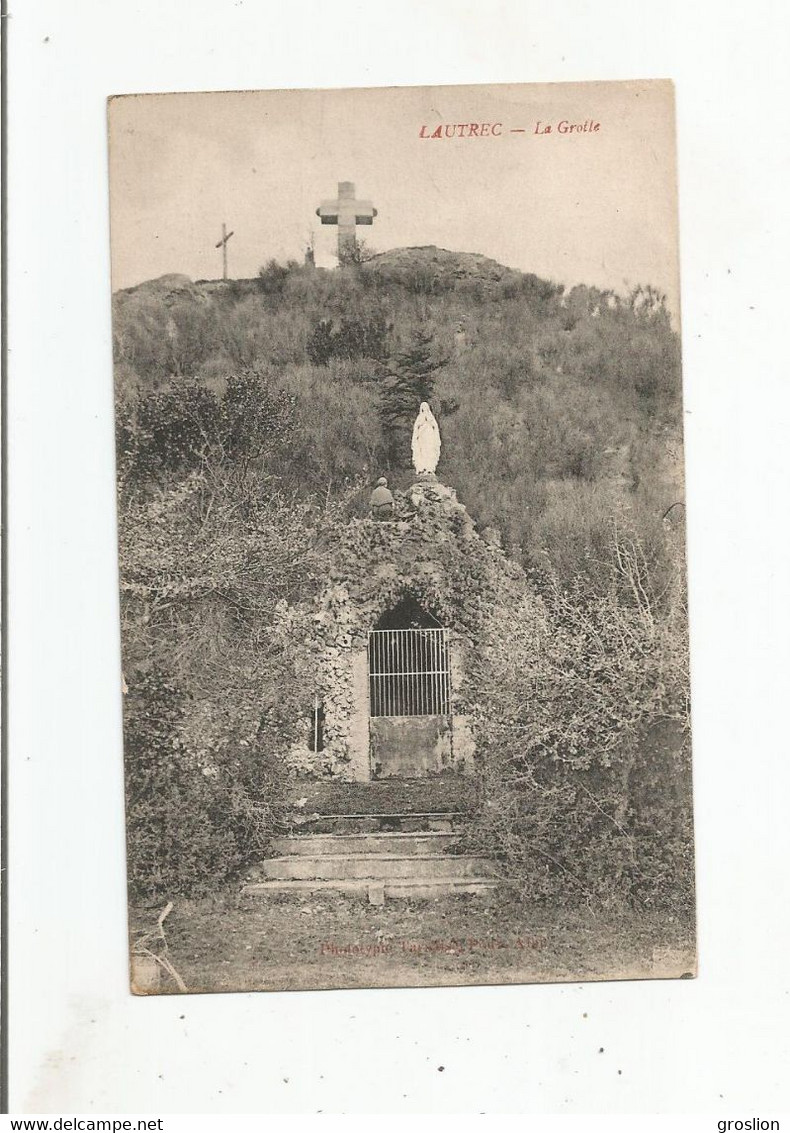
x,y
426,443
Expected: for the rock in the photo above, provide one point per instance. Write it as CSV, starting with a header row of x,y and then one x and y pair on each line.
x,y
376,894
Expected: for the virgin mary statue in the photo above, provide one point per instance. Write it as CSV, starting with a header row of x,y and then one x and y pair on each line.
x,y
426,443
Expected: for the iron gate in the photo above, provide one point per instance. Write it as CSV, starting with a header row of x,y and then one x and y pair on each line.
x,y
409,672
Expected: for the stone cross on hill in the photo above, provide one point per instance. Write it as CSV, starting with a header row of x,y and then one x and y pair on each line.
x,y
346,213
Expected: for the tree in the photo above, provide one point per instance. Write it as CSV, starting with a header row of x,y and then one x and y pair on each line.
x,y
410,381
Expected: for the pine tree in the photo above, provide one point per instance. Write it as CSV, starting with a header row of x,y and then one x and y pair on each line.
x,y
410,381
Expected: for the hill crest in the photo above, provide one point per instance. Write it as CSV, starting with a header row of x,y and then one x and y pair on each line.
x,y
438,265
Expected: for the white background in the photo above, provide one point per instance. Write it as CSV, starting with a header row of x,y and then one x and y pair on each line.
x,y
79,1041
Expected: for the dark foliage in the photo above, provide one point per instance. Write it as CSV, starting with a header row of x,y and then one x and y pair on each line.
x,y
273,277
178,429
189,828
166,431
353,338
411,380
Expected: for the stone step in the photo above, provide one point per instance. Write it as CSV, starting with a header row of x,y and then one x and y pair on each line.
x,y
375,891
426,867
397,843
445,792
440,822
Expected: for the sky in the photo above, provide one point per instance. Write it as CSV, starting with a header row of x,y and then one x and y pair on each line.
x,y
596,206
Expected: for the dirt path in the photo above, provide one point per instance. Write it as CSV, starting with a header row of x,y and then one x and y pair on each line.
x,y
318,943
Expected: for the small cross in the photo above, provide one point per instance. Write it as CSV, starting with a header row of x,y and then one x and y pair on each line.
x,y
346,213
223,243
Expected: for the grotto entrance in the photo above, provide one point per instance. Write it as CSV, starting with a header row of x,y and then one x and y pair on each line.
x,y
409,693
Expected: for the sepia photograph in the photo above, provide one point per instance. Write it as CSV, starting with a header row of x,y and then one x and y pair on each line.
x,y
401,513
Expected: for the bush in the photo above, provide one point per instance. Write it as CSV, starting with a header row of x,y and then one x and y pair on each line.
x,y
585,774
180,429
353,338
210,569
620,836
160,337
168,430
273,277
189,827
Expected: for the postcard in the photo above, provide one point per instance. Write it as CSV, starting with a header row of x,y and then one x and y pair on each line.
x,y
402,536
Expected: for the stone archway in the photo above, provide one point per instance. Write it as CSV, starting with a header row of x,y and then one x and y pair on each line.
x,y
409,693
